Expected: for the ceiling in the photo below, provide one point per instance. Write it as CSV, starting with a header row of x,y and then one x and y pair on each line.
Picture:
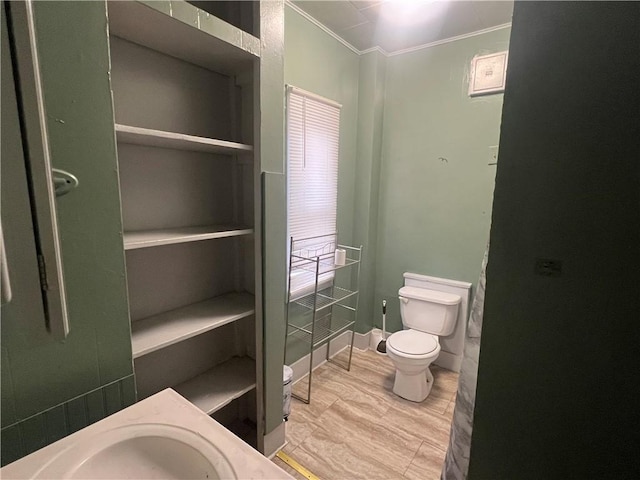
x,y
395,25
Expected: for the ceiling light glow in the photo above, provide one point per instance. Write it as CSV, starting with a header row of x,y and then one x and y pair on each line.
x,y
410,12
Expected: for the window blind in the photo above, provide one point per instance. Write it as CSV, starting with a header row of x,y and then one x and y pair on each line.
x,y
313,131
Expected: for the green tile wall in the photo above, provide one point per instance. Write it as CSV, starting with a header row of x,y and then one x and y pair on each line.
x,y
43,378
37,431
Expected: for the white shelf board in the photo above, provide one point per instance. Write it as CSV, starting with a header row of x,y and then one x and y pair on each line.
x,y
187,33
217,387
169,236
159,331
177,141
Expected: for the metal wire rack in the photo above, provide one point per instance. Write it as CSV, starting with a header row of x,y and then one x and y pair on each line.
x,y
313,288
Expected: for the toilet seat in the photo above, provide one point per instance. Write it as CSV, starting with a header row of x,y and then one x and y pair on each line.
x,y
413,344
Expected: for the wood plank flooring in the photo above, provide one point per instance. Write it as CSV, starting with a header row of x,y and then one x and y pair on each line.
x,y
357,428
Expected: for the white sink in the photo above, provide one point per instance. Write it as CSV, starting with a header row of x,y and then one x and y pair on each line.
x,y
161,437
140,451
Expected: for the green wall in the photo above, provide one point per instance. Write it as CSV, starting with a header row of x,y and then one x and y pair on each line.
x,y
316,62
401,115
557,394
436,185
274,219
371,96
39,373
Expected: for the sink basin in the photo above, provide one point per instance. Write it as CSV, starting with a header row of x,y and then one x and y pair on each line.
x,y
141,451
163,436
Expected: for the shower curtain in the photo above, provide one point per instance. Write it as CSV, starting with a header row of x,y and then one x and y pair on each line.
x,y
456,463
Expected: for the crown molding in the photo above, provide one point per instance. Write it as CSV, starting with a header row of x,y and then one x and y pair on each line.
x,y
450,39
377,48
326,30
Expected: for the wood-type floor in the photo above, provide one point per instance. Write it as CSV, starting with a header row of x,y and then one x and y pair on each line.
x,y
357,428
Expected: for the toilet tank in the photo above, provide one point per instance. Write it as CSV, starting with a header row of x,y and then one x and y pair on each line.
x,y
429,311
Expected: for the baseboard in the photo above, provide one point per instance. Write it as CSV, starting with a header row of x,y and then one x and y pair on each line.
x,y
375,337
274,441
361,340
449,361
301,367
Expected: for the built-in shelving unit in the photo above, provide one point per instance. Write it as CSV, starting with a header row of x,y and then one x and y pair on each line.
x,y
159,331
318,308
177,141
182,31
156,238
183,89
216,388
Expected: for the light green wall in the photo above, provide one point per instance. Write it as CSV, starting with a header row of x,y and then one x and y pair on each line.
x,y
558,367
436,185
371,95
410,210
316,62
38,372
274,222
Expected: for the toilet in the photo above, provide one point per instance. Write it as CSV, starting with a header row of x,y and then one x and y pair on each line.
x,y
426,315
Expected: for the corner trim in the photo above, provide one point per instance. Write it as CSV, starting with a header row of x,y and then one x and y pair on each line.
x,y
274,441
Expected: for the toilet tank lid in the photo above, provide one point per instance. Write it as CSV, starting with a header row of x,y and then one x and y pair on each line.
x,y
434,296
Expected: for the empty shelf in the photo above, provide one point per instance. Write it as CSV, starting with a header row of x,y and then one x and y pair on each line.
x,y
325,298
159,331
325,329
187,33
177,141
325,265
155,238
217,387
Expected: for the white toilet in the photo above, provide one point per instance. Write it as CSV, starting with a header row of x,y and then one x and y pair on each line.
x,y
426,315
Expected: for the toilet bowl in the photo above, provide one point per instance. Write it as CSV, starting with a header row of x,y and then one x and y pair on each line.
x,y
412,352
426,315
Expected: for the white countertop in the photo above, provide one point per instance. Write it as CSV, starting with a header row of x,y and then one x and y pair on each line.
x,y
166,409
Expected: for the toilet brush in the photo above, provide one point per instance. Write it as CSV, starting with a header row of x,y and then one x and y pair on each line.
x,y
382,346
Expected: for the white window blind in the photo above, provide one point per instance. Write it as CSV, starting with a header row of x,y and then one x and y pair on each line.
x,y
313,131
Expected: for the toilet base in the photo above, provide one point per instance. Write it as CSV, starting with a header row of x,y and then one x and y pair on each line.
x,y
414,387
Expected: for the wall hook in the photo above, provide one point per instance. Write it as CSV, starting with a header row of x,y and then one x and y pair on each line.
x,y
63,182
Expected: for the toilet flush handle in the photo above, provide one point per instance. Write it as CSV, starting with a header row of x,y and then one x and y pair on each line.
x,y
404,299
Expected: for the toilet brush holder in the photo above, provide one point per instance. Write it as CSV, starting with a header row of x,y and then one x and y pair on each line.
x,y
382,345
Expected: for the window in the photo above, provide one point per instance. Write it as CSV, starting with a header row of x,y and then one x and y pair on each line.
x,y
313,130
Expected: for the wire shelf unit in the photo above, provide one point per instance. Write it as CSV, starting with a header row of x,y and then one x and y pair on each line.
x,y
315,287
325,329
325,298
